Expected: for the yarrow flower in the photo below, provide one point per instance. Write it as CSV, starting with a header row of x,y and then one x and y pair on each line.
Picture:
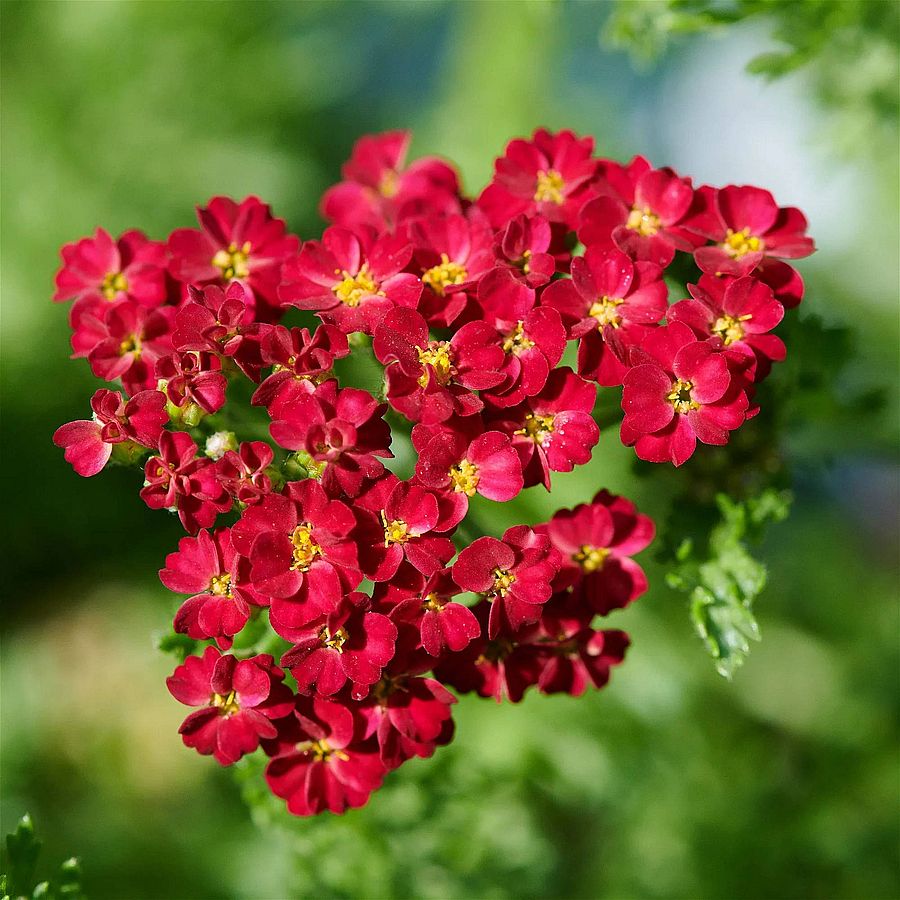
x,y
448,329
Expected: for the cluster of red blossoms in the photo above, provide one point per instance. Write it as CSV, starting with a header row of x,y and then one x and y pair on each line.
x,y
469,306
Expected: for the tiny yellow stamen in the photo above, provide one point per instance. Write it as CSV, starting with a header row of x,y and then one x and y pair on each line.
x,y
220,585
591,558
113,283
389,184
503,580
305,548
437,355
320,750
516,342
605,311
233,262
131,344
334,641
738,244
352,288
464,476
549,187
729,328
680,397
395,531
538,428
227,704
644,221
432,603
441,276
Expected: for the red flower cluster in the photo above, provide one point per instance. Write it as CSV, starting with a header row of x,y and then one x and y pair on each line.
x,y
468,305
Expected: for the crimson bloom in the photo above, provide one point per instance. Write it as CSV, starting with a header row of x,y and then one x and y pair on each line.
x,y
236,242
548,175
377,187
177,480
349,281
238,700
430,380
514,573
341,428
208,568
321,760
351,643
553,431
740,312
748,226
524,246
596,541
681,391
88,443
192,376
242,472
607,296
301,552
648,213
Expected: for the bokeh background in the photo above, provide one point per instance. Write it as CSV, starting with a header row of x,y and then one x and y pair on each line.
x,y
670,783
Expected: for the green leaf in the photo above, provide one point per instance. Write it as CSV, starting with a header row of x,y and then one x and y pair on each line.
x,y
22,847
179,645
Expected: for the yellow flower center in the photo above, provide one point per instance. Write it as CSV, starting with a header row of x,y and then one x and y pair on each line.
x,y
439,277
321,751
220,585
643,221
352,288
516,342
680,397
233,261
395,531
538,428
738,244
305,548
730,329
131,344
113,283
605,311
591,558
549,187
334,641
228,704
464,476
389,184
432,603
436,355
503,580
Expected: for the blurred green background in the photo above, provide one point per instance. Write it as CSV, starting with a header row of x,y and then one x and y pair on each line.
x,y
670,783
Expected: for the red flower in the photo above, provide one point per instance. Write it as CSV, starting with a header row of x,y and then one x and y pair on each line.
x,y
740,312
514,573
430,608
680,392
237,700
377,187
608,295
575,655
242,472
321,762
236,242
301,552
487,465
99,271
349,644
176,479
208,568
553,431
296,355
88,443
428,380
127,342
399,521
548,175
748,226
524,246
192,376
451,254
596,542
532,339
349,282
648,213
